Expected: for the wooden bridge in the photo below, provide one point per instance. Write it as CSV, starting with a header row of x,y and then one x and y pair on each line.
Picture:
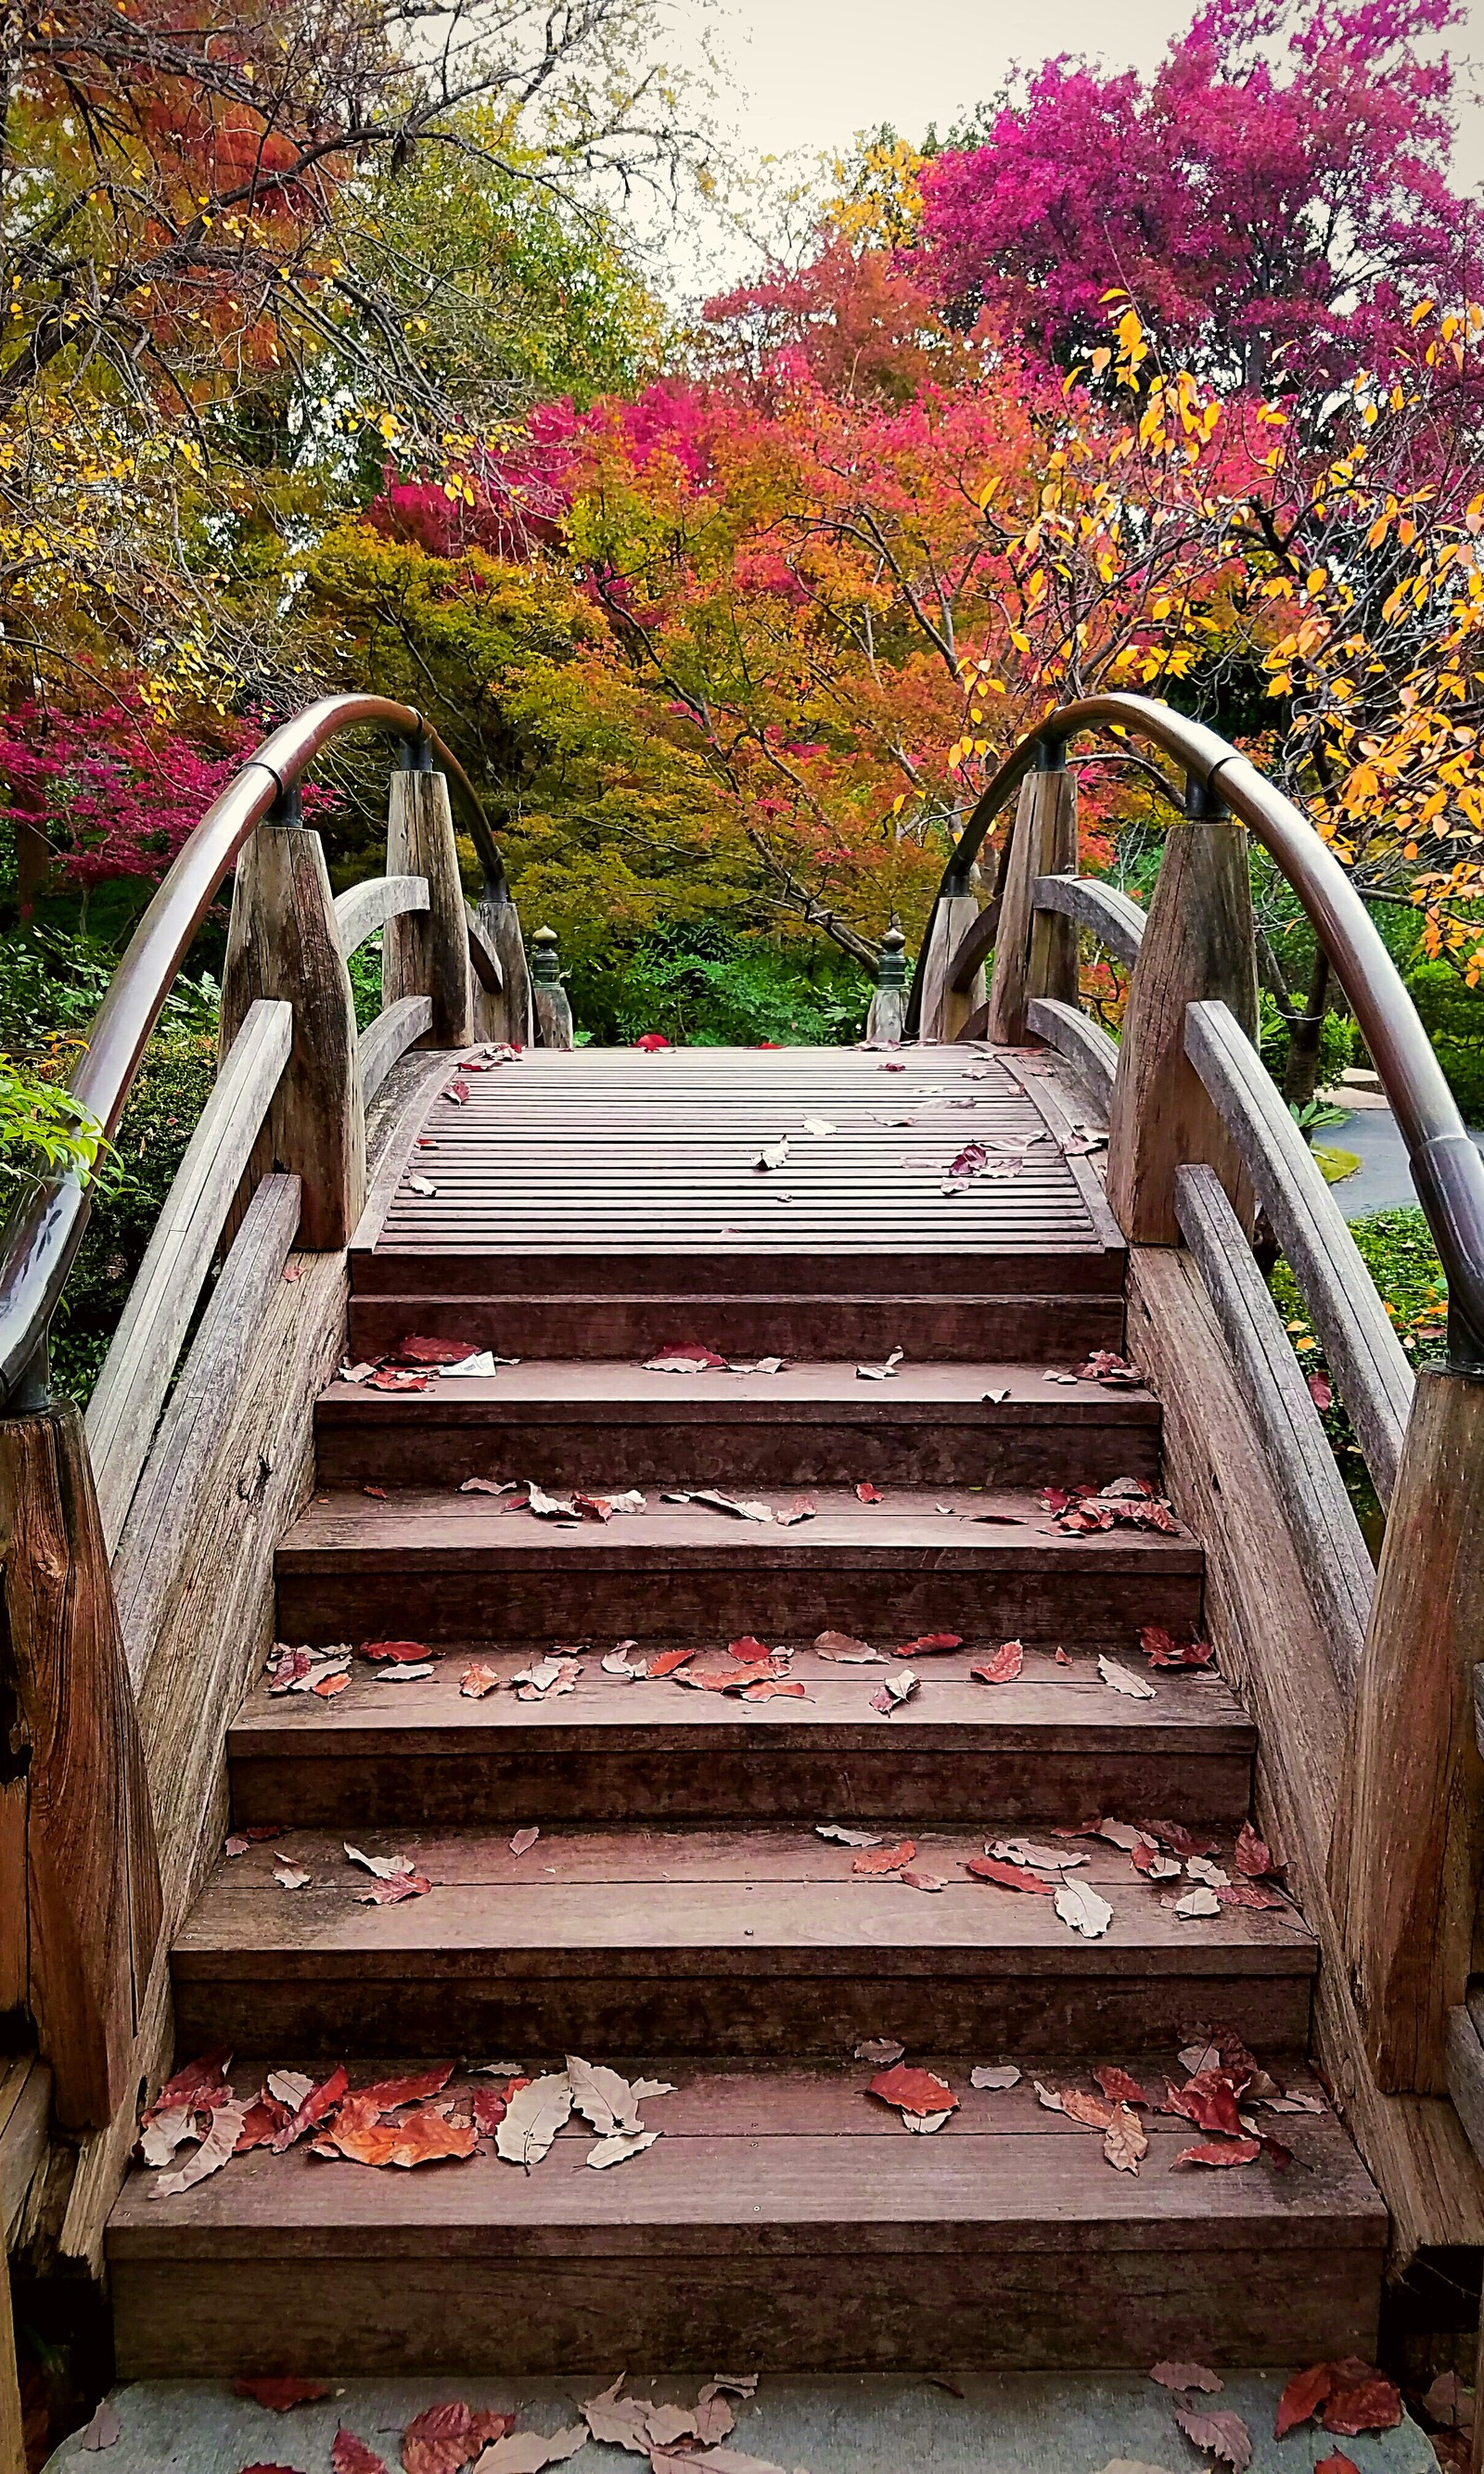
x,y
801,1485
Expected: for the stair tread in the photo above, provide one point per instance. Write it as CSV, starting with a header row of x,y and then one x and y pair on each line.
x,y
777,2160
773,1900
603,1387
1048,1708
420,1524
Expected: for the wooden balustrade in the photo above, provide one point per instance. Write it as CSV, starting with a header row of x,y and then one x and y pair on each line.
x,y
1035,951
427,952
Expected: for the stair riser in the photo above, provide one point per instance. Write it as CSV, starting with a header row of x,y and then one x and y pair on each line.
x,y
715,2006
779,1450
1055,1329
365,1788
835,2306
688,1279
1091,1608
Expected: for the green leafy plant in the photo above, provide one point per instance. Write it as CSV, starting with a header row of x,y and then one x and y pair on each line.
x,y
42,1131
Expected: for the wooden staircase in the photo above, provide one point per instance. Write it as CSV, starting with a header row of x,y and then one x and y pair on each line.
x,y
679,1914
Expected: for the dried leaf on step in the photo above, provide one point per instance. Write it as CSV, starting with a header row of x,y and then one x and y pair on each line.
x,y
350,2455
1249,1894
1118,2086
443,2440
931,1644
1089,2110
1254,1858
524,1839
105,2429
842,1645
741,1506
1337,2462
845,1837
802,1508
1154,1866
879,2049
279,2391
1361,2399
668,1661
1126,2141
1306,2392
533,2117
290,1877
867,1492
913,1880
422,2137
646,2088
1215,1876
1221,2152
684,1359
925,2121
995,2077
913,2091
322,2100
623,2145
882,1373
1198,1902
218,2144
1226,2434
619,2421
1163,1649
403,1674
1189,2375
605,2100
885,1859
394,1653
526,2452
1027,1850
1122,1679
1007,1876
1122,1834
384,1867
1084,1911
897,1690
772,1154
477,1681
394,1891
1048,2096
1002,1666
770,1686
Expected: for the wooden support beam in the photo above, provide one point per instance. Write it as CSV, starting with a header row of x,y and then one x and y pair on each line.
x,y
945,1008
285,941
507,1013
1035,951
1117,922
1082,1043
1199,944
389,1038
362,908
92,1874
427,954
1409,1834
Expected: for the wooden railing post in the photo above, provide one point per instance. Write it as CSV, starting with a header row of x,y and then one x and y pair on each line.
x,y
509,1015
944,1009
1408,1842
553,1005
1199,944
1035,951
70,1729
284,942
427,952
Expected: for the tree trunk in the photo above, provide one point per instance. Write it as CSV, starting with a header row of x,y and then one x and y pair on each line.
x,y
1302,1072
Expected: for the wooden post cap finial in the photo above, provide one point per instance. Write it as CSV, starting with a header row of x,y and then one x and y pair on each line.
x,y
892,960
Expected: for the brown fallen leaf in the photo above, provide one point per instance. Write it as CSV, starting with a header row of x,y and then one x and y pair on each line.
x,y
443,2440
897,1690
1253,1857
1007,1876
802,1508
1221,2152
423,2137
1361,2399
923,1881
393,1890
1126,2141
769,1687
1189,2375
280,2393
528,2451
885,1859
350,2455
841,1644
1004,1666
879,2048
1089,2110
913,2091
322,2100
215,2148
1226,2434
1120,2089
477,1681
524,1839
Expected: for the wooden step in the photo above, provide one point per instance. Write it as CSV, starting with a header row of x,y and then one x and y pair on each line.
x,y
1057,1742
443,1566
787,2205
763,1943
930,1426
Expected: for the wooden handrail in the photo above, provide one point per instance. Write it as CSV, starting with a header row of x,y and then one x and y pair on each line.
x,y
1447,1169
362,908
1117,921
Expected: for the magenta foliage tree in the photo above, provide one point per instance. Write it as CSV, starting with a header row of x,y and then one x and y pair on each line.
x,y
1273,200
112,797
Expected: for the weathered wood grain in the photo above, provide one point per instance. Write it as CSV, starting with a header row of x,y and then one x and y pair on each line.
x,y
1113,918
12,2447
1409,1837
362,908
484,961
1366,1358
25,2119
284,942
507,1015
1080,1043
1316,1506
130,1392
1261,1614
382,1042
1465,2054
1035,951
427,954
93,1885
147,1566
945,1008
1199,944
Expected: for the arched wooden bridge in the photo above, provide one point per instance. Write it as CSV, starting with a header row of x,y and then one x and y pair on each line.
x,y
857,1449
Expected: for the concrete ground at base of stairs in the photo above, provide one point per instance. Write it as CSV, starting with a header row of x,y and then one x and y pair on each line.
x,y
1016,2424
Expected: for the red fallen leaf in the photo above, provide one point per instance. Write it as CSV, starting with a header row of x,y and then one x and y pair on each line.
x,y
415,2088
771,1688
1118,2087
1360,2400
748,1650
477,1681
1004,1666
1222,2151
261,2123
1278,2155
802,1508
394,1378
1009,1877
839,1641
349,2455
1180,1841
457,1090
928,1644
490,2106
329,1685
1144,1858
420,2138
969,1161
694,1349
1248,1894
279,2395
418,1349
202,2085
395,1652
865,1492
913,2091
1337,2463
885,1859
1321,1390
1225,2433
591,1507
1253,1855
651,1040
1209,2100
393,1890
668,1661
270,2469
1163,1649
319,2101
443,2440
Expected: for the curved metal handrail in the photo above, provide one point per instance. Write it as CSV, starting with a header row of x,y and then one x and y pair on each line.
x,y
1447,1169
37,1248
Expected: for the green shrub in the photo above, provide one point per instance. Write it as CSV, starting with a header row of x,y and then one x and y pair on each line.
x,y
702,986
1336,1043
1453,1016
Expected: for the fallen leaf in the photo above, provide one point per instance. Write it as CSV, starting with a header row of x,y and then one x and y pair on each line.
x,y
839,1644
969,1161
1306,2392
1163,1649
1122,1679
1226,2434
443,2440
395,1653
1120,1835
897,1690
741,1507
349,2455
1043,1859
879,2048
322,2100
105,2429
623,2145
1249,1894
882,1373
926,2122
1004,1666
526,2452
533,2117
772,1154
1189,2375
922,1880
477,1681
1336,2463
422,2137
1007,1876
1221,2152
802,1508
393,1891
199,2086
1180,1841
930,1643
913,2091
1253,1857
1198,1902
219,2143
619,2421
1126,2141
1361,2399
847,1838
885,1859
996,2078
1209,2100
669,1662
280,2394
290,1877
1089,2110
1154,1866
524,1839
866,1492
688,1358
770,1686
605,2100
1084,1911
1119,2088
